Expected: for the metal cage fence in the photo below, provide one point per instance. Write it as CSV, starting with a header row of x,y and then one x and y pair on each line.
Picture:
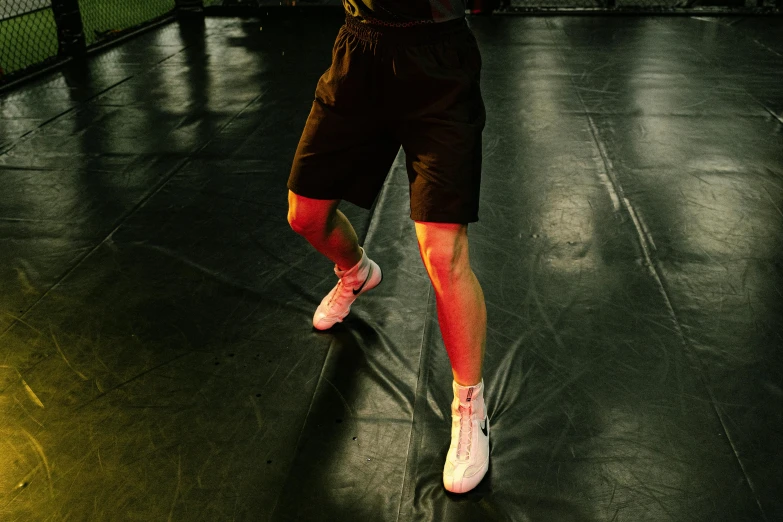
x,y
105,18
28,34
36,32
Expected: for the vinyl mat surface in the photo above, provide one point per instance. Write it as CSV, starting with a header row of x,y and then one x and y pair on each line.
x,y
157,360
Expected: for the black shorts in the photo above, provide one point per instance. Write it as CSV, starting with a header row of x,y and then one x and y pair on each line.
x,y
415,87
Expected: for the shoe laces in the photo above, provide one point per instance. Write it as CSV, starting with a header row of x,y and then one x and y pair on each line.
x,y
465,432
338,292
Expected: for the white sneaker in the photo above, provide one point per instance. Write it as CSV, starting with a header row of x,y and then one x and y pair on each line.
x,y
468,458
365,276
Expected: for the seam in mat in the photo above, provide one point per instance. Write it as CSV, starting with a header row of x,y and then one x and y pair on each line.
x,y
729,437
77,106
760,44
367,236
121,221
91,53
81,260
419,384
420,387
778,117
302,428
93,50
645,241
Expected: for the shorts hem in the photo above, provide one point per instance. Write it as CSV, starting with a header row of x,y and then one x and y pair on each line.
x,y
441,218
299,191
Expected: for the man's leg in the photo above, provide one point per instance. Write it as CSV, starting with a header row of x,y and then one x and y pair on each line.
x,y
462,313
326,228
463,322
330,232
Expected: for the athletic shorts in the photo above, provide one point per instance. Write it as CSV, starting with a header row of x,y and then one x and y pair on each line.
x,y
415,87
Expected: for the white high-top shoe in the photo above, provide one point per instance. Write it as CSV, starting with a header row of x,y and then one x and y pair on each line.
x,y
366,275
468,458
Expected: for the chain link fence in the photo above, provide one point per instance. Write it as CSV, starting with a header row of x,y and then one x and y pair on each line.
x,y
38,32
33,32
28,34
106,18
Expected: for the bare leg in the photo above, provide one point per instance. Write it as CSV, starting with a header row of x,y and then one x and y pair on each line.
x,y
462,313
326,228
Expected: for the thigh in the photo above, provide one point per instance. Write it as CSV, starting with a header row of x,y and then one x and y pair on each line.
x,y
346,149
441,130
444,171
342,157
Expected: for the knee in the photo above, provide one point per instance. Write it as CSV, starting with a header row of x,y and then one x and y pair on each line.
x,y
306,225
445,263
311,218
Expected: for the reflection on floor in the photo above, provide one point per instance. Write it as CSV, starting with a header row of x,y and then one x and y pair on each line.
x,y
156,356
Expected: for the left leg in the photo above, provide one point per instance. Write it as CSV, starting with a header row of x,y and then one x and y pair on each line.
x,y
442,119
462,313
463,323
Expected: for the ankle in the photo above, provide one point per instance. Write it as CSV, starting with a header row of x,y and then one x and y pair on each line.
x,y
355,267
463,383
473,395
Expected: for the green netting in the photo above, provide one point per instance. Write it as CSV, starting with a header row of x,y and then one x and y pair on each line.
x,y
103,18
28,35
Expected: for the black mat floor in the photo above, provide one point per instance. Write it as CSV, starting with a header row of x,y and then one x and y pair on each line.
x,y
157,359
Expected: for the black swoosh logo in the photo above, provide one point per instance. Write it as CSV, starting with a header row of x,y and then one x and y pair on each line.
x,y
357,290
483,427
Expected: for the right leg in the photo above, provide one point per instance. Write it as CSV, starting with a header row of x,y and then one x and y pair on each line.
x,y
345,152
330,232
326,228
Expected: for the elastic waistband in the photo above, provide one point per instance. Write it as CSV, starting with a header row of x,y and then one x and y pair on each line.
x,y
422,34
